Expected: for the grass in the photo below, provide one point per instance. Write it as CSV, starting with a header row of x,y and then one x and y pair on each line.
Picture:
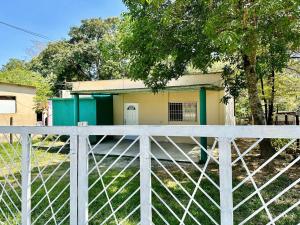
x,y
58,164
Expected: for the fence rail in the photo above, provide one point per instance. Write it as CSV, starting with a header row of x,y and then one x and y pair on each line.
x,y
149,175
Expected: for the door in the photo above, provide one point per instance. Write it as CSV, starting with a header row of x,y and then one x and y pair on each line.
x,y
131,114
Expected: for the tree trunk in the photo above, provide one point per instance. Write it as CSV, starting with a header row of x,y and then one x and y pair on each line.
x,y
270,119
266,149
264,98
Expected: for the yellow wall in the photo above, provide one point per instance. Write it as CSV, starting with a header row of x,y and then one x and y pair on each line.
x,y
25,113
153,108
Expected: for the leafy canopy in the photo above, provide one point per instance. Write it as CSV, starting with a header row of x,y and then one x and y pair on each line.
x,y
265,29
90,53
162,41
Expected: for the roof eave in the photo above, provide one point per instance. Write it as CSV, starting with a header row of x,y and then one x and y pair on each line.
x,y
124,91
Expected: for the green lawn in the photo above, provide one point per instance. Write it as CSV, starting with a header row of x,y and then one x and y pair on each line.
x,y
43,213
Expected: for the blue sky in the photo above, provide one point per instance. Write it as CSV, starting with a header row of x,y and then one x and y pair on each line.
x,y
52,18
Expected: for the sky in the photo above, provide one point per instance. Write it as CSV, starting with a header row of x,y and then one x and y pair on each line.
x,y
51,18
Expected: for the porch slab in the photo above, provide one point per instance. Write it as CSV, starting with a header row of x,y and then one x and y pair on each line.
x,y
191,150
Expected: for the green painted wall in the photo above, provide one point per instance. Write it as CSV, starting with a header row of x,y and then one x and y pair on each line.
x,y
87,111
63,113
96,111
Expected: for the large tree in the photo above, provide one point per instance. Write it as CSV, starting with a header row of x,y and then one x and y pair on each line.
x,y
88,54
163,40
253,38
257,37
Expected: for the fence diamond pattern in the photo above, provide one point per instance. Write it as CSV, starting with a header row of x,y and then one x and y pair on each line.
x,y
177,188
10,178
148,175
258,185
50,180
113,184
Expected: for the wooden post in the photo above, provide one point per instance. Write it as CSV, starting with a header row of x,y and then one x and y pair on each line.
x,y
11,122
286,119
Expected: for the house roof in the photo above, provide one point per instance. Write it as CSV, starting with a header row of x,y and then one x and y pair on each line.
x,y
192,81
18,85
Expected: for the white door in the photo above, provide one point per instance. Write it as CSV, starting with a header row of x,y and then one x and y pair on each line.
x,y
131,114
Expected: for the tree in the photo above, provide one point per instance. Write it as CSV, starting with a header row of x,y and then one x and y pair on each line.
x,y
84,56
16,72
14,64
286,97
259,36
161,41
246,35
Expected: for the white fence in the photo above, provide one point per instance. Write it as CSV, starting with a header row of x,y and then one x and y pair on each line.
x,y
148,175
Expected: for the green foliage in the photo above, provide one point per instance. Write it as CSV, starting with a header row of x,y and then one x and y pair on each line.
x,y
115,62
287,98
14,64
17,72
242,110
90,53
162,41
267,29
253,39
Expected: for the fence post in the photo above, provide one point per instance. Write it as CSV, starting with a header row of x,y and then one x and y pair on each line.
x,y
298,140
226,197
26,179
11,123
83,179
145,180
73,179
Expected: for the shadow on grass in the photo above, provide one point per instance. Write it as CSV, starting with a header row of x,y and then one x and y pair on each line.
x,y
50,201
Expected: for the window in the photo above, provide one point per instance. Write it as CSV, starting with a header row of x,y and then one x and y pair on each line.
x,y
183,111
7,104
131,107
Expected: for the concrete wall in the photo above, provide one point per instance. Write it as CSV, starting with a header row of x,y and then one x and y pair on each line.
x,y
25,112
153,108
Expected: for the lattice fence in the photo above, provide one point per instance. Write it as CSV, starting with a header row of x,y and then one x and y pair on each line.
x,y
149,175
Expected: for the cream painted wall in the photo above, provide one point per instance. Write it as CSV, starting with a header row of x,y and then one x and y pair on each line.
x,y
25,114
153,108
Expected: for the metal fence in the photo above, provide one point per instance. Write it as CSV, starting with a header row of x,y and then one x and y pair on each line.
x,y
148,175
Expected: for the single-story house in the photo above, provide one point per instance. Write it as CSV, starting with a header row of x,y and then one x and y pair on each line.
x,y
17,105
190,100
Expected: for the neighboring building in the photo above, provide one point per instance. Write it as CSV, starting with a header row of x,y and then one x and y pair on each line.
x,y
17,105
190,100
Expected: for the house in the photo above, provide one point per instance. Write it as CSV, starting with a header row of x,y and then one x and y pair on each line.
x,y
17,105
190,100
193,99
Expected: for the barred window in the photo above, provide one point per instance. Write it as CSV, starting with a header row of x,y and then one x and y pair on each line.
x,y
183,111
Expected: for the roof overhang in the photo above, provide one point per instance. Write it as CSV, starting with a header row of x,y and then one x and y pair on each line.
x,y
186,82
135,90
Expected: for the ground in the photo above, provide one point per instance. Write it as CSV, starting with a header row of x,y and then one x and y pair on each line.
x,y
54,166
190,149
